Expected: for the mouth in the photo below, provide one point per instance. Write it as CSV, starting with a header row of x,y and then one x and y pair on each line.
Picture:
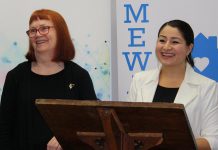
x,y
167,54
40,41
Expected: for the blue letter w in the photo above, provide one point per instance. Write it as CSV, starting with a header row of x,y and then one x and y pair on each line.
x,y
136,57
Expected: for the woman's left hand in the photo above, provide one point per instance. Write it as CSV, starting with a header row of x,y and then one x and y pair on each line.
x,y
53,145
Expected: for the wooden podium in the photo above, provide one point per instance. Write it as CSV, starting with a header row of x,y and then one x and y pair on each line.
x,y
110,125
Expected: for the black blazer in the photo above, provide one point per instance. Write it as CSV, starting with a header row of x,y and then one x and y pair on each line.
x,y
21,125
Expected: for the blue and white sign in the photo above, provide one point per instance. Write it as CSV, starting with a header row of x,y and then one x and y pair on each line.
x,y
138,23
205,54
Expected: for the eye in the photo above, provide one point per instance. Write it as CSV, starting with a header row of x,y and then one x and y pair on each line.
x,y
32,30
161,40
175,42
43,28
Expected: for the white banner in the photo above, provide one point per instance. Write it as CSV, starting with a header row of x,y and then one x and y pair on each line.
x,y
138,23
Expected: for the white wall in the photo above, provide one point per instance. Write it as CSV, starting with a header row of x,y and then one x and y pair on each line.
x,y
89,23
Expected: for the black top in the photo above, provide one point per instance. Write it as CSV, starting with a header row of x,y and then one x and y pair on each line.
x,y
164,94
21,125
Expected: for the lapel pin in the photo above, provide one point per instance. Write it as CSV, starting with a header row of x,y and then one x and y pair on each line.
x,y
71,85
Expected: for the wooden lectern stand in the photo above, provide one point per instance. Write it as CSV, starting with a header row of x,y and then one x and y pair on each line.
x,y
110,125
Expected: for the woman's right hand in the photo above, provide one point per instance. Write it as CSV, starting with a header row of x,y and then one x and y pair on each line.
x,y
54,145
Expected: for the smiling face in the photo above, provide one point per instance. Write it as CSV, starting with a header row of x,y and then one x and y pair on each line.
x,y
171,47
43,43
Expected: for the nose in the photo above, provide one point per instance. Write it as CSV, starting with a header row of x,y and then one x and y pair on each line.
x,y
167,46
37,33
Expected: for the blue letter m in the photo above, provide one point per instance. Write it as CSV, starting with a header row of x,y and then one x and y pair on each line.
x,y
136,16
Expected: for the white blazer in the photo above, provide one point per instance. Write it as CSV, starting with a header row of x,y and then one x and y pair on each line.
x,y
197,93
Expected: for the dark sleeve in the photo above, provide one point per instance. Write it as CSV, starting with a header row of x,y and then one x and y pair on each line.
x,y
86,89
7,112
